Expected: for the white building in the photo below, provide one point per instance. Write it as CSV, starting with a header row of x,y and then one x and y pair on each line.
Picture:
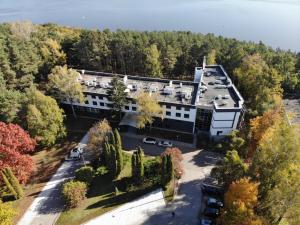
x,y
210,103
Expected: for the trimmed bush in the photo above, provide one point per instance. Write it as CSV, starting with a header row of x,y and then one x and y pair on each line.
x,y
152,168
85,174
101,171
14,183
74,193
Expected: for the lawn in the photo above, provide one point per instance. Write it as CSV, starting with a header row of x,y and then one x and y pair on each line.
x,y
102,198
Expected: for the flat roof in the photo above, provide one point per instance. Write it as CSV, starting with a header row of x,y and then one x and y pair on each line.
x,y
220,92
215,89
142,84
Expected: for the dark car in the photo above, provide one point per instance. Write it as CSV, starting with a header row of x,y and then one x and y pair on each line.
x,y
214,203
206,222
211,212
211,190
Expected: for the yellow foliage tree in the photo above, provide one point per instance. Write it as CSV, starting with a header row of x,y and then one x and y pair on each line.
x,y
7,212
259,126
148,108
97,134
240,201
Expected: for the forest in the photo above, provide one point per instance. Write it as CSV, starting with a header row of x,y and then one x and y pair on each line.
x,y
31,55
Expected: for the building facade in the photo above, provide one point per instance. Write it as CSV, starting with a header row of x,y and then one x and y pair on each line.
x,y
211,103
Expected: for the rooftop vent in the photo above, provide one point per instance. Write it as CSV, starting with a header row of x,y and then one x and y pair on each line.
x,y
171,83
226,97
168,90
223,103
82,72
221,86
125,78
180,85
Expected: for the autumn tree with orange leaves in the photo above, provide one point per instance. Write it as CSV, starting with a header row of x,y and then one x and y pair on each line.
x,y
15,144
240,201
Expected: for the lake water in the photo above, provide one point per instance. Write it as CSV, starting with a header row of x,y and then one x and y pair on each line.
x,y
275,22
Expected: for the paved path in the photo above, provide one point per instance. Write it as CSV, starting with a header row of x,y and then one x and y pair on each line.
x,y
133,213
46,208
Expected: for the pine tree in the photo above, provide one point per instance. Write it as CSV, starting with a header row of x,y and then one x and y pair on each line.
x,y
118,147
134,165
8,185
140,164
163,170
113,162
14,182
170,168
106,153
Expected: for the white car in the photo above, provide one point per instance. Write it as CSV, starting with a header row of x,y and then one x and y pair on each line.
x,y
165,144
149,140
76,153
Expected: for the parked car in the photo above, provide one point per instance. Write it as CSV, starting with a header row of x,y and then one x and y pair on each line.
x,y
214,203
206,222
211,212
165,143
76,153
149,140
211,190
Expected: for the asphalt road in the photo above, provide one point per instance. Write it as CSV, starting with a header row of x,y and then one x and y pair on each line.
x,y
46,208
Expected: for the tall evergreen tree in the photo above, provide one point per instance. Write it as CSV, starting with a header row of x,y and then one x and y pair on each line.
x,y
140,164
8,185
113,161
118,147
14,182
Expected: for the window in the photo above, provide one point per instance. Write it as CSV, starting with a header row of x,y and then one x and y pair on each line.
x,y
109,105
186,116
219,132
186,109
168,107
178,108
101,103
93,96
168,113
133,108
126,107
178,114
100,97
133,102
86,102
95,103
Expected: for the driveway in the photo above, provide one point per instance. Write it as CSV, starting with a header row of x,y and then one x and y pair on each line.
x,y
187,203
46,208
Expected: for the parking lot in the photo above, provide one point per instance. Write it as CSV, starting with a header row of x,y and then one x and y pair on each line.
x,y
131,141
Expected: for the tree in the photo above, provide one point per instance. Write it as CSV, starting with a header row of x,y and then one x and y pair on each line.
x,y
8,185
259,126
231,169
276,166
113,161
23,30
119,155
167,169
152,62
10,103
148,108
74,193
255,74
169,59
97,135
137,165
14,183
240,201
15,144
45,120
211,57
234,141
176,158
7,213
63,83
117,94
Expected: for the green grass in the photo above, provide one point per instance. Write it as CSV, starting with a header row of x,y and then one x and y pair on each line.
x,y
101,196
